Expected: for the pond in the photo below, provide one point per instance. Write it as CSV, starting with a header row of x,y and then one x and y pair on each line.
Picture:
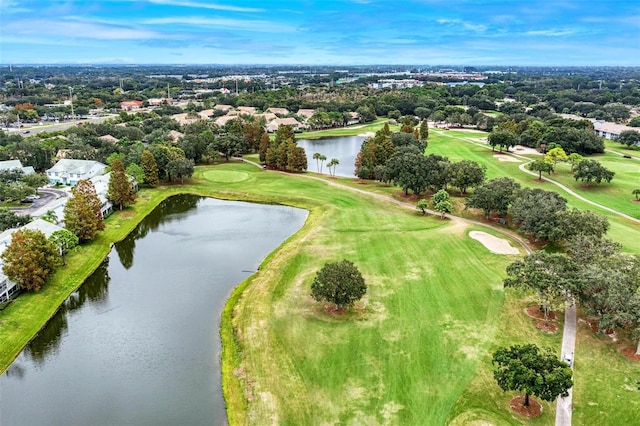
x,y
139,342
344,148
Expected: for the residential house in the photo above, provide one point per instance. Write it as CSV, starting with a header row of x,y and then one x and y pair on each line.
x,y
306,113
283,112
268,116
223,107
130,105
246,110
609,130
16,164
7,287
221,121
354,118
109,138
175,135
68,171
273,125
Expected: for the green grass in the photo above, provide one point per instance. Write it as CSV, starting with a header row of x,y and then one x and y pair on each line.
x,y
407,352
354,130
617,195
416,350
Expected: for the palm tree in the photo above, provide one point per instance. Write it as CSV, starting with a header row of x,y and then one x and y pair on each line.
x,y
316,156
636,192
333,163
322,158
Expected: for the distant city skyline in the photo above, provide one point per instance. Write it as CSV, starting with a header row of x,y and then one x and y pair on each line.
x,y
348,32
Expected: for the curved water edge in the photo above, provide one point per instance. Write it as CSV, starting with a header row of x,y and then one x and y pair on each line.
x,y
109,324
343,148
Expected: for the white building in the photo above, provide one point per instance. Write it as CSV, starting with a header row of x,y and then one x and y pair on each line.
x,y
68,171
15,164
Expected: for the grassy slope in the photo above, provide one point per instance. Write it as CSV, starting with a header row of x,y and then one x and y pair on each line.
x,y
407,353
347,131
455,145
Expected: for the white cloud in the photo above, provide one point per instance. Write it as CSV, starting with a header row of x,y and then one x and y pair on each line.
x,y
76,29
247,25
214,6
550,33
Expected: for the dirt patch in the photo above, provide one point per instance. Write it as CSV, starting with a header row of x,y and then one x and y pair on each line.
x,y
335,310
534,311
546,326
633,200
493,243
630,353
533,410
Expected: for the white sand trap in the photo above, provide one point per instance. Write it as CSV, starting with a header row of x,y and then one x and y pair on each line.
x,y
493,243
502,157
367,134
519,149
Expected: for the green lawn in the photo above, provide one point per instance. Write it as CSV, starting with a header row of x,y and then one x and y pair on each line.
x,y
416,350
354,130
404,355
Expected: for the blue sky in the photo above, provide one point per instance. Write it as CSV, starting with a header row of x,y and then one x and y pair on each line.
x,y
430,32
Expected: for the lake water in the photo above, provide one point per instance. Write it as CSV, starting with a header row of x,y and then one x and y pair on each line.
x,y
344,148
139,342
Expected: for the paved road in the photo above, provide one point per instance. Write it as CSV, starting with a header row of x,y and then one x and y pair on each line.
x,y
564,406
32,129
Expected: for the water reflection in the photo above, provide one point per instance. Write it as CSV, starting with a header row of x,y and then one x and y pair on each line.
x,y
343,148
138,343
95,290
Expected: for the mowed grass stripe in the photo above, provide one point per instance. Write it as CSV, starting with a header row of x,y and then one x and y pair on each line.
x,y
405,354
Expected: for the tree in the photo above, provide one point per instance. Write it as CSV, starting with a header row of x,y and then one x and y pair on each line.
x,y
422,206
592,171
231,145
64,240
494,196
636,192
340,283
333,163
83,213
501,139
120,191
540,166
150,168
574,222
466,174
629,137
528,369
442,203
535,210
136,171
316,156
407,169
29,259
9,219
554,155
50,216
574,159
424,130
35,180
322,158
551,276
297,159
179,169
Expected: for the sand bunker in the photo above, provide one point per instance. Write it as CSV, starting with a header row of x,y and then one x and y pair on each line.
x,y
519,149
367,134
502,157
494,244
